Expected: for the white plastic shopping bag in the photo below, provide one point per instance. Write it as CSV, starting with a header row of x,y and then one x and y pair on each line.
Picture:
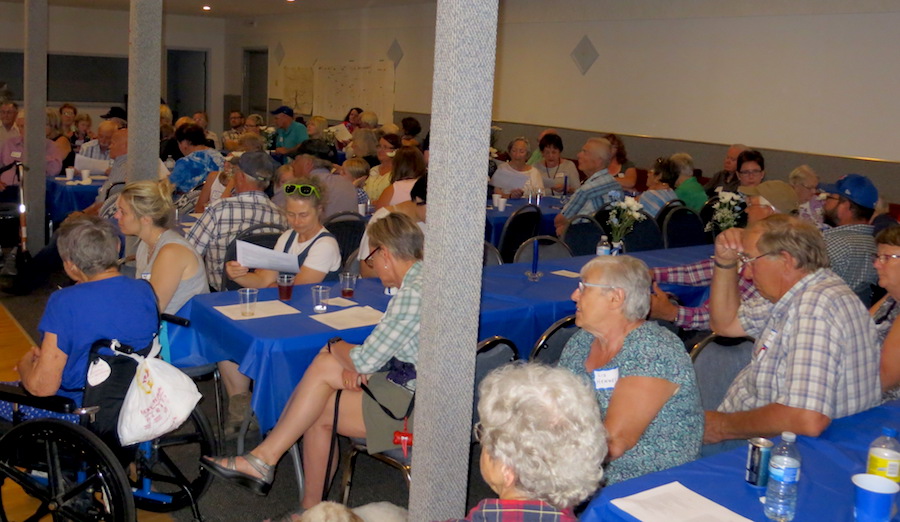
x,y
160,398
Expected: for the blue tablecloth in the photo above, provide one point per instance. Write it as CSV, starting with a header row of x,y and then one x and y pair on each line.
x,y
276,351
825,493
550,207
63,199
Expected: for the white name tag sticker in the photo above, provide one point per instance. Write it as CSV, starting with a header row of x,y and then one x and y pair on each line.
x,y
606,379
15,154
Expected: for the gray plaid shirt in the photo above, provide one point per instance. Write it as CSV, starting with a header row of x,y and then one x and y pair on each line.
x,y
816,349
850,249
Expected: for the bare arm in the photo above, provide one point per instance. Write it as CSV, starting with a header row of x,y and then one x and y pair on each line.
x,y
725,295
385,198
40,369
204,192
634,404
767,421
890,358
629,179
173,264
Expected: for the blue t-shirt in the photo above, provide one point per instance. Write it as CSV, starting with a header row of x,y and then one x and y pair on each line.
x,y
193,169
294,135
115,308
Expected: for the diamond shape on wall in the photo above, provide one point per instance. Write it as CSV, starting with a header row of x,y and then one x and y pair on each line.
x,y
278,54
584,55
395,53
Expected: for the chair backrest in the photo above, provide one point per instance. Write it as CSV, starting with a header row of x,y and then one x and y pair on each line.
x,y
717,361
253,235
549,247
602,215
644,236
664,211
491,354
348,228
583,234
521,225
352,263
707,211
549,346
683,227
491,255
187,202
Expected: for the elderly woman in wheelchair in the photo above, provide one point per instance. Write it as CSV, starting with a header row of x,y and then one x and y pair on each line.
x,y
71,470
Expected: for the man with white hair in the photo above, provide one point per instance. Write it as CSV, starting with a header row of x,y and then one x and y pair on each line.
x,y
99,148
727,178
599,189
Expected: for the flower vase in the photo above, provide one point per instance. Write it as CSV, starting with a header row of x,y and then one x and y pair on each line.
x,y
617,248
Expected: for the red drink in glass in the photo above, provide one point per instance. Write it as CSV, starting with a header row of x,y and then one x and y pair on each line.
x,y
285,292
346,292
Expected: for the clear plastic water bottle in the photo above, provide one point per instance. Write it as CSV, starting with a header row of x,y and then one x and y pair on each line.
x,y
884,455
170,163
603,247
784,474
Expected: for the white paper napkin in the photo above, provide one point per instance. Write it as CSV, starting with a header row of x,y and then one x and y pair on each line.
x,y
567,273
263,309
342,302
673,502
350,317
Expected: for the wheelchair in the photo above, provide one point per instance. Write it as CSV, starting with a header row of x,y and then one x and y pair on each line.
x,y
79,471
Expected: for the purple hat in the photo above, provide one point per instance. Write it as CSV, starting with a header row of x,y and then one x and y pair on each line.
x,y
855,187
284,109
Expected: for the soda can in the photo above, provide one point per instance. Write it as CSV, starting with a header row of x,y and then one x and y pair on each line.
x,y
759,450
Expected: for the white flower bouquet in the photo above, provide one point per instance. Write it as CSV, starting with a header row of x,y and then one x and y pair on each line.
x,y
726,212
623,216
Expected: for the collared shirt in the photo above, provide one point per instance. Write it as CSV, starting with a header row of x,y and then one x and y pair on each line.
x,y
376,183
192,169
397,334
12,150
697,274
598,190
5,133
850,249
654,200
294,135
223,220
500,510
816,349
92,150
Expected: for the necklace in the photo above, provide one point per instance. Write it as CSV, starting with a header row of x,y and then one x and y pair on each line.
x,y
152,249
555,172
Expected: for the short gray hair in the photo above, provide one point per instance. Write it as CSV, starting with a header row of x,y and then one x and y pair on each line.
x,y
90,243
684,162
798,237
544,424
628,274
399,234
801,174
604,149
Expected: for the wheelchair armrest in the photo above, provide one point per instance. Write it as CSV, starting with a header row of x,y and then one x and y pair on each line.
x,y
18,395
174,319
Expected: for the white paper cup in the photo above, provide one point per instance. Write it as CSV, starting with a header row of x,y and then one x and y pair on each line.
x,y
320,295
361,208
70,173
86,174
501,205
496,199
248,301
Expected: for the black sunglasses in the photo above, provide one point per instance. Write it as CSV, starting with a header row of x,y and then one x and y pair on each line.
x,y
303,190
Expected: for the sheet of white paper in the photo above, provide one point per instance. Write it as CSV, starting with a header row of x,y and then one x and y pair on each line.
x,y
340,301
255,256
340,132
263,309
349,317
673,502
567,273
96,166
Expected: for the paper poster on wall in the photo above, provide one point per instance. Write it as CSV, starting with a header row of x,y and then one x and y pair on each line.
x,y
298,89
339,86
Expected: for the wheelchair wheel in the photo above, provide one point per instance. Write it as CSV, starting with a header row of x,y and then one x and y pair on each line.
x,y
172,461
69,472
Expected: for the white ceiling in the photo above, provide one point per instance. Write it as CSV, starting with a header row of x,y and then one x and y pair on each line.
x,y
238,8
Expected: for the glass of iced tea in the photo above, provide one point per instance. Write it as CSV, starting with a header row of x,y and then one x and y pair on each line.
x,y
285,286
348,284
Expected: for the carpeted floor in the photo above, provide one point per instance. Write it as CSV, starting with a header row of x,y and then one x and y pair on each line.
x,y
373,481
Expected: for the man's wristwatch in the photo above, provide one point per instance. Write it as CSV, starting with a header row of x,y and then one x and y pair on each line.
x,y
333,340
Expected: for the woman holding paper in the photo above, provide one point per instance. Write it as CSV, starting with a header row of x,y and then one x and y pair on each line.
x,y
640,372
396,253
317,251
163,257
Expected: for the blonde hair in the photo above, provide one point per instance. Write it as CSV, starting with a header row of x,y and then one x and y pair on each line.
x,y
83,117
53,122
165,114
321,124
365,142
356,167
151,199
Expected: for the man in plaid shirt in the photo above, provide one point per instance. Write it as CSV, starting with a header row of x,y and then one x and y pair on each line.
x,y
815,358
224,219
599,189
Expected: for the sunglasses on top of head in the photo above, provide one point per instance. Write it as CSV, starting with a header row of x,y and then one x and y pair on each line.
x,y
303,190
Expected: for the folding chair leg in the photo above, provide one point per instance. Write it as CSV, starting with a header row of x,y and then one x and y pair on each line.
x,y
298,469
220,413
347,479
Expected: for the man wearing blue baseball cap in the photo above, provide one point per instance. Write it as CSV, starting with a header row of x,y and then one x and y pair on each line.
x,y
849,207
289,134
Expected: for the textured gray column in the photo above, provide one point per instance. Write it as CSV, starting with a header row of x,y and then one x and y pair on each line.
x,y
35,86
144,63
465,44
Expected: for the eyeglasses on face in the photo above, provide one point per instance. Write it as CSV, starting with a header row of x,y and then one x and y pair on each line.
x,y
582,285
745,259
303,190
884,258
368,260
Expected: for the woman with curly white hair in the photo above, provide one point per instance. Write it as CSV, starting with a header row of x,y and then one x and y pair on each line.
x,y
542,444
640,372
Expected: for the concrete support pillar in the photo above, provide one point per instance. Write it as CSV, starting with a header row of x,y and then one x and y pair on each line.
x,y
463,84
35,85
144,63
